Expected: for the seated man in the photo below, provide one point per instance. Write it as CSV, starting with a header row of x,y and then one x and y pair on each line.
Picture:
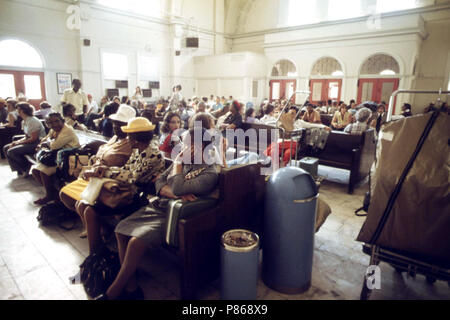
x,y
311,115
360,126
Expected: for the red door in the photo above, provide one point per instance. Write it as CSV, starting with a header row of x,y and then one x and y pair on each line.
x,y
376,90
325,89
29,83
282,89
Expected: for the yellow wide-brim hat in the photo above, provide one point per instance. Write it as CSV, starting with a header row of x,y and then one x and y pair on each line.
x,y
138,124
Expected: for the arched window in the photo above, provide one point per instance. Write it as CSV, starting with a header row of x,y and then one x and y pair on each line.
x,y
327,67
380,64
15,53
284,68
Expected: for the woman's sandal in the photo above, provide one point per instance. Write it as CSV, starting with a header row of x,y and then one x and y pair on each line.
x,y
42,201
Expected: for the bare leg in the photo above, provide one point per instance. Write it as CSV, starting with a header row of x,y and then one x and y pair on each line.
x,y
49,189
37,176
93,229
134,252
67,201
80,208
122,243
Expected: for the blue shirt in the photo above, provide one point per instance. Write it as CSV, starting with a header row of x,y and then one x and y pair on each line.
x,y
33,124
217,106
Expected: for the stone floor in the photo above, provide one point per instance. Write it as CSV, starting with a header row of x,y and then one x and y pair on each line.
x,y
35,262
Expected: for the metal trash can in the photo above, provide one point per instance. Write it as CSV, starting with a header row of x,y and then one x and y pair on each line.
x,y
288,230
239,265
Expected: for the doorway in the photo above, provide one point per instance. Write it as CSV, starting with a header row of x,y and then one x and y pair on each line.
x,y
28,83
325,89
377,90
282,89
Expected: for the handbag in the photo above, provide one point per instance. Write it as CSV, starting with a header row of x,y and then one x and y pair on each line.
x,y
98,271
47,157
114,194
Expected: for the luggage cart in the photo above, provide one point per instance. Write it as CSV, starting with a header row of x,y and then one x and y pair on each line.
x,y
404,261
295,135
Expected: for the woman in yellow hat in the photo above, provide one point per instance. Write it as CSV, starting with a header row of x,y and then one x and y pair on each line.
x,y
142,168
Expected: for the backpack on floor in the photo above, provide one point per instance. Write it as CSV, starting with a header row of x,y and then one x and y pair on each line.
x,y
98,271
56,213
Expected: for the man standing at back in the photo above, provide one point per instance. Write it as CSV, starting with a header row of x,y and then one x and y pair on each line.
x,y
76,97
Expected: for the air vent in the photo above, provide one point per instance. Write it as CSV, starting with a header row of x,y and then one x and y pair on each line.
x,y
122,84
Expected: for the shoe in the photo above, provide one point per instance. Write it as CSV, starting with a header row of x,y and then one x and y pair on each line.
x,y
42,201
83,234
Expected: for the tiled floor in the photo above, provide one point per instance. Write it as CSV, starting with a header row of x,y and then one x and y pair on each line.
x,y
35,262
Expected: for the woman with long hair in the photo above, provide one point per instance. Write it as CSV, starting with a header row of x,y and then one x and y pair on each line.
x,y
167,142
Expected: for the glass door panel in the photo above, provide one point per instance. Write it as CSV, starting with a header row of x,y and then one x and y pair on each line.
x,y
316,91
333,90
33,90
7,86
275,90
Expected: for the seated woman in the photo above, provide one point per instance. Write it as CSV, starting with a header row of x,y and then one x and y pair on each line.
x,y
115,153
70,117
144,165
44,111
11,126
361,125
234,119
172,122
206,121
145,228
106,124
250,116
269,115
17,150
60,136
341,118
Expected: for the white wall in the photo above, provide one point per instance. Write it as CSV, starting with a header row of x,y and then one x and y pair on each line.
x,y
409,36
230,74
351,44
42,25
433,67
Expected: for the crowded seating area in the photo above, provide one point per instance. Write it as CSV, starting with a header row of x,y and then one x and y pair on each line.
x,y
131,160
206,150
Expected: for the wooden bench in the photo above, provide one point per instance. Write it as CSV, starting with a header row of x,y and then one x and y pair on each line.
x,y
351,152
241,190
326,119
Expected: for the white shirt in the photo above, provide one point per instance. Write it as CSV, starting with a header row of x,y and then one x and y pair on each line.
x,y
268,119
77,99
93,107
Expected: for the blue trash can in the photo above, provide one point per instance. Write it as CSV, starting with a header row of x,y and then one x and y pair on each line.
x,y
288,230
239,265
